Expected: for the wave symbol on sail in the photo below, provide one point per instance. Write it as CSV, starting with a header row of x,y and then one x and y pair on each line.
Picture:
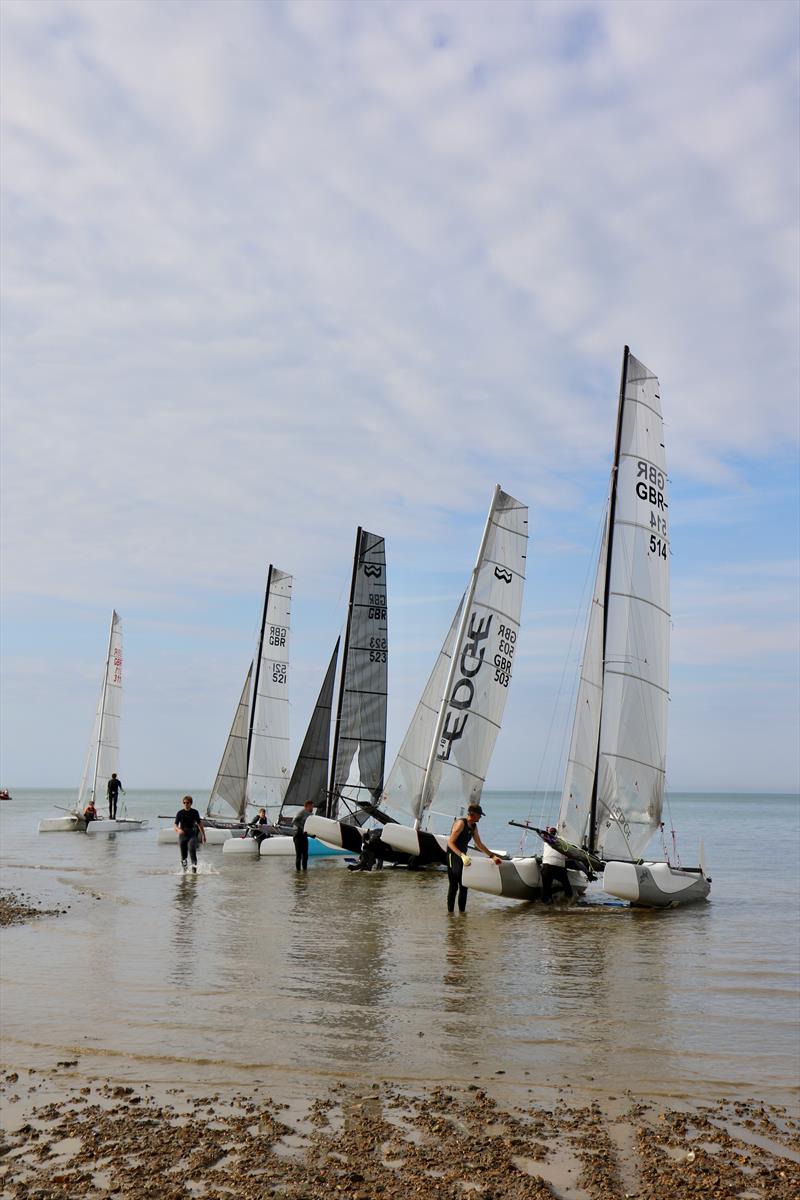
x,y
374,570
503,574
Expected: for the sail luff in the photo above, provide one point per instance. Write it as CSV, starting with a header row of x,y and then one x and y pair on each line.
x,y
612,506
257,661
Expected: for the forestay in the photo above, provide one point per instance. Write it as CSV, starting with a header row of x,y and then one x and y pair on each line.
x,y
360,733
268,750
102,758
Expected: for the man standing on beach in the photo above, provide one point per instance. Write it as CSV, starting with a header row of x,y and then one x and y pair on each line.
x,y
112,791
188,826
301,837
463,832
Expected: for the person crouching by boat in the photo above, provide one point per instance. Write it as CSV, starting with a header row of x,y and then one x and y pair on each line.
x,y
554,867
257,827
90,813
301,837
463,832
189,827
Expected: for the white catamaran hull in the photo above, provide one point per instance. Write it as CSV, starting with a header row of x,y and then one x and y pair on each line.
x,y
515,879
430,847
655,884
121,825
72,823
244,847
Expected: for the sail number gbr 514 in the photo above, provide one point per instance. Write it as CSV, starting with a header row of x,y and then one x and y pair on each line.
x,y
650,487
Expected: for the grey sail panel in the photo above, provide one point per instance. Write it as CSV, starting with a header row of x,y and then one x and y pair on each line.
x,y
309,779
227,797
360,740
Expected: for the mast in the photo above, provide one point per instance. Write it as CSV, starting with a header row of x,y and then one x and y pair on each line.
x,y
258,671
340,702
103,706
612,504
462,625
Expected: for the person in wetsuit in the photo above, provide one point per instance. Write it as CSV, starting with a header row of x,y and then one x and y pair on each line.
x,y
258,826
463,832
301,837
89,813
189,827
113,789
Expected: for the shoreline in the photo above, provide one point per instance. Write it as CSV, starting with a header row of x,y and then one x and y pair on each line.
x,y
67,1135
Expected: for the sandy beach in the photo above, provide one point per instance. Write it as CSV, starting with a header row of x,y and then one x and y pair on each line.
x,y
69,1133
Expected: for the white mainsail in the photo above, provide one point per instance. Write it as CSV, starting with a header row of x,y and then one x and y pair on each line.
x,y
614,784
268,747
102,758
360,733
229,786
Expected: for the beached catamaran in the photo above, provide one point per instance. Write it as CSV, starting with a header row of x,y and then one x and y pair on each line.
x,y
614,783
444,757
102,755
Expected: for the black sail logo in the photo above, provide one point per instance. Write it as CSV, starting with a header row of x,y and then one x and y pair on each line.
x,y
503,574
373,570
463,693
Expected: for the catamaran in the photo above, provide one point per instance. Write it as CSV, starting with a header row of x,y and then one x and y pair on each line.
x,y
102,756
611,802
445,755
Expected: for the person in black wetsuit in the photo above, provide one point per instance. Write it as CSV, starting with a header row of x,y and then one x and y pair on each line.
x,y
113,789
258,826
189,826
301,837
463,832
90,813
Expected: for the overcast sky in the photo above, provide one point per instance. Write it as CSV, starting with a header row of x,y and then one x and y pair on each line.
x,y
274,270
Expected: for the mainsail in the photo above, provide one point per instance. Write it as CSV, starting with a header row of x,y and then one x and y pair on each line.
x,y
446,752
102,758
614,785
268,738
359,746
309,779
254,769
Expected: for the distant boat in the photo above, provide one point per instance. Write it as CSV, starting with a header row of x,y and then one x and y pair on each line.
x,y
102,757
613,792
4,794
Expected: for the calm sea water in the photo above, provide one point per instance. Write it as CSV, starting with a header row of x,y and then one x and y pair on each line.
x,y
249,972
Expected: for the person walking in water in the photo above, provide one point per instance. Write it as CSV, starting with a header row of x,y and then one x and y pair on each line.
x,y
113,790
463,832
189,827
301,837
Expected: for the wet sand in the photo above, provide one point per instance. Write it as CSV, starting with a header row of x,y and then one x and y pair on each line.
x,y
66,1139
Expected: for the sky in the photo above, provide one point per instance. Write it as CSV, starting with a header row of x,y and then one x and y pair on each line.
x,y
271,271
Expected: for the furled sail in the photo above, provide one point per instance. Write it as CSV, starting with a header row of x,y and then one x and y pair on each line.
x,y
228,792
360,732
633,725
268,744
309,779
407,776
102,757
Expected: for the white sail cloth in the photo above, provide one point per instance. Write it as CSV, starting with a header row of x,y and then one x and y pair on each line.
x,y
102,757
620,727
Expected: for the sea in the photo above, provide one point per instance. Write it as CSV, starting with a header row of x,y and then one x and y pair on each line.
x,y
250,972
